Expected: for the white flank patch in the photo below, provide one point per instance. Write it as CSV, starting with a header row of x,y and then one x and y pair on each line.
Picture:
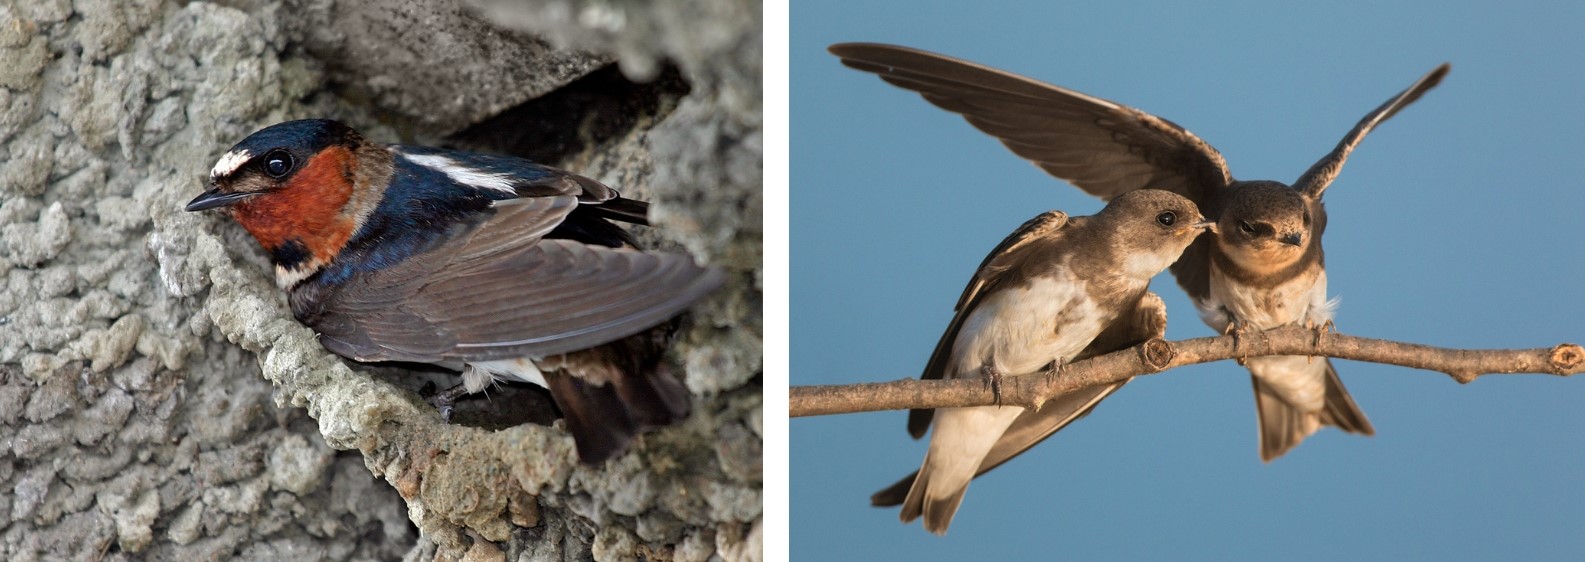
x,y
229,163
463,174
287,278
1211,313
521,369
1321,310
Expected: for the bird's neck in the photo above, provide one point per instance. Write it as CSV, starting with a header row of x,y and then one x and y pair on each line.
x,y
305,224
1269,268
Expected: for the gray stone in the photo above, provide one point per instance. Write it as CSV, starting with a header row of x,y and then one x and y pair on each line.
x,y
469,68
297,466
33,244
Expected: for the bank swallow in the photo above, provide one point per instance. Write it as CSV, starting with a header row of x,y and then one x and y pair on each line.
x,y
1042,296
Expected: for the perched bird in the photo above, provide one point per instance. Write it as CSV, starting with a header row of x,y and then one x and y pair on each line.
x,y
1042,296
492,265
1146,319
1264,270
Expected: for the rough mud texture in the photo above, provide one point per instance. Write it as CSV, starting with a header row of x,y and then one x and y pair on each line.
x,y
134,420
378,50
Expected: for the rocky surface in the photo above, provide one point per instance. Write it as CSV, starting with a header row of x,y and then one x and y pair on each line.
x,y
157,401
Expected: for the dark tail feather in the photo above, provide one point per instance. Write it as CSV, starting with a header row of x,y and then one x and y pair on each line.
x,y
596,416
640,394
623,209
937,512
896,493
1341,411
603,418
653,399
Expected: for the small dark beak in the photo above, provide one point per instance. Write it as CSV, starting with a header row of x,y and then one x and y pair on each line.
x,y
214,199
1292,239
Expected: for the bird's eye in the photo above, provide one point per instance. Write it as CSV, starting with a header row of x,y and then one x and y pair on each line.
x,y
277,163
1167,218
1246,227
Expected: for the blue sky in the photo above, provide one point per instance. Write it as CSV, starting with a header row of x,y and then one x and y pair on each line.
x,y
1460,222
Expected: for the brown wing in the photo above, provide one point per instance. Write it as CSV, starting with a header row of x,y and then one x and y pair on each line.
x,y
993,265
499,290
1102,147
1315,180
1148,319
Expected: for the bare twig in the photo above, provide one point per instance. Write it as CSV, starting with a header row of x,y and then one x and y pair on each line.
x,y
1154,356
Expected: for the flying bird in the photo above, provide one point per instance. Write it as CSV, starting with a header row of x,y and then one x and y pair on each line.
x,y
492,265
1042,296
1265,268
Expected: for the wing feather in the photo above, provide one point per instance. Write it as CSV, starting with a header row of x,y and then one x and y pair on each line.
x,y
1315,180
1102,147
501,290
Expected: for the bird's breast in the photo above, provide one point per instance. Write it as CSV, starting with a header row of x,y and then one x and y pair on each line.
x,y
1019,330
1264,306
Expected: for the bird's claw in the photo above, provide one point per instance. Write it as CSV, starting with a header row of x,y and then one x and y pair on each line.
x,y
1054,369
445,401
1237,329
993,379
1321,330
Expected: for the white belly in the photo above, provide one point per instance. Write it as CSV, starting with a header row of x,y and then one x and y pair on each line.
x,y
1301,300
1300,381
1018,331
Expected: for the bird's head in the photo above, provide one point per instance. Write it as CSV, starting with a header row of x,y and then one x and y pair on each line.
x,y
302,188
1266,225
1153,227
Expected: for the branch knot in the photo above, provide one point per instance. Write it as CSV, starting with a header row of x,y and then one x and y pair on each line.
x,y
1567,357
1157,354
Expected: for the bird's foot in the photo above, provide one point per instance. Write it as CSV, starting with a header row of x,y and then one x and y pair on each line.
x,y
446,400
1237,329
1321,330
1054,369
993,379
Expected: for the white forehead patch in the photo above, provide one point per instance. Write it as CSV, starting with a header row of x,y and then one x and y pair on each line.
x,y
463,174
229,163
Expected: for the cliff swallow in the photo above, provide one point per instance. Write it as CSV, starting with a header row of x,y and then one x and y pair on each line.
x,y
1264,270
492,265
1045,294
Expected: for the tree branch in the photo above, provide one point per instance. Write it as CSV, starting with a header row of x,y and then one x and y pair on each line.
x,y
1154,356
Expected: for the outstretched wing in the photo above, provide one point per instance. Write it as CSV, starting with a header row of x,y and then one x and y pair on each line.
x,y
1315,181
1102,147
501,290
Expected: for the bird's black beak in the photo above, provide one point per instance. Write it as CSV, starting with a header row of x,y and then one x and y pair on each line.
x,y
214,199
1293,239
